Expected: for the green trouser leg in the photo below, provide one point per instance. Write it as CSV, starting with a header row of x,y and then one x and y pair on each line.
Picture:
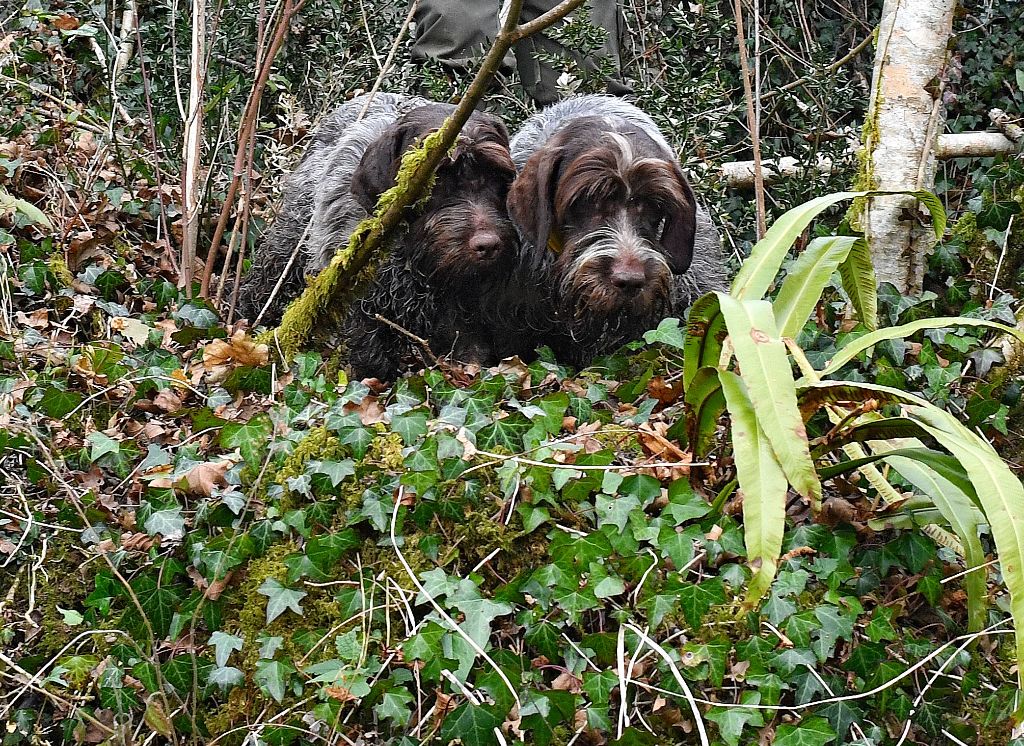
x,y
457,31
454,31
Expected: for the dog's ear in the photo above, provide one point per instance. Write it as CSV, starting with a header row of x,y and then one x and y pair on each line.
x,y
487,128
680,227
378,167
531,201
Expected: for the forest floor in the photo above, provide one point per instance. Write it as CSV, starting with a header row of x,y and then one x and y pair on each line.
x,y
199,544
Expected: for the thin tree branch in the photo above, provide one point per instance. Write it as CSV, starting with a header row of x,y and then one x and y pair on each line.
x,y
420,342
826,71
391,56
246,130
755,137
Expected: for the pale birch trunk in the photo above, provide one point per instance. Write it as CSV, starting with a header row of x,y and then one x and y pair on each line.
x,y
192,147
904,119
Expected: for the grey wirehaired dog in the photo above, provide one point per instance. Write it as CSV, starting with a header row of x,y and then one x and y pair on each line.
x,y
437,274
609,225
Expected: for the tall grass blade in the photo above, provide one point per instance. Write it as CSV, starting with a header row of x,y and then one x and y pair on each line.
x,y
705,333
963,517
860,344
806,280
764,486
858,274
768,376
1002,499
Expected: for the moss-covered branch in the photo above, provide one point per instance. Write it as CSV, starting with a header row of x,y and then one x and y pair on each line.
x,y
349,270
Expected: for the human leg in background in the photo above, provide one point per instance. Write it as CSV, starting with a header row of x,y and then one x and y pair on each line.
x,y
540,79
454,31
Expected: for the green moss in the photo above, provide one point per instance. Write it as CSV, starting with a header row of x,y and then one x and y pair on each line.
x,y
976,247
246,615
864,180
1013,262
318,444
385,451
64,560
59,267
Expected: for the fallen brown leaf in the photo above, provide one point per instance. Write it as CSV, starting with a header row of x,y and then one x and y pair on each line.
x,y
167,400
222,356
203,479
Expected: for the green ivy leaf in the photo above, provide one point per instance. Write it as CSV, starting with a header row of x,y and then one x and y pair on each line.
x,y
272,677
505,433
226,677
33,277
614,511
865,659
323,551
678,545
683,503
471,724
552,412
57,402
609,587
668,333
280,599
167,523
411,426
658,606
732,720
158,603
778,609
100,445
641,487
841,715
544,712
425,645
250,438
479,612
799,628
695,600
395,705
598,686
812,731
223,643
336,471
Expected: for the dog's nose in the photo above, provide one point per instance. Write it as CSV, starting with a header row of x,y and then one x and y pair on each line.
x,y
484,245
629,280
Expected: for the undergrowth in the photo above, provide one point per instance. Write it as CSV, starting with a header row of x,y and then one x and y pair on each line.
x,y
198,545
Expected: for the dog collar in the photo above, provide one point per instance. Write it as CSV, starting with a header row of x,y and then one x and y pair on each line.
x,y
555,245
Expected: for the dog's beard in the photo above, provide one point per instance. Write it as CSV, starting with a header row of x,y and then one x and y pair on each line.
x,y
594,310
441,253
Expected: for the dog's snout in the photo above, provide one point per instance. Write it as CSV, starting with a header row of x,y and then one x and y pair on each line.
x,y
485,244
628,277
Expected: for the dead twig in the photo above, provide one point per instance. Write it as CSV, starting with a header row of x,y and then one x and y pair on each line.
x,y
755,137
247,129
419,341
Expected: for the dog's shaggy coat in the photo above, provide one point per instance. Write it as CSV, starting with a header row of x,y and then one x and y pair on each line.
x,y
437,275
613,239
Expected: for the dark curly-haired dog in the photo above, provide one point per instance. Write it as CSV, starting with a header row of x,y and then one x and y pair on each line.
x,y
613,237
438,274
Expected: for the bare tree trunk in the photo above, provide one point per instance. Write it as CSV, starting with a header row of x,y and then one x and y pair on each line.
x,y
905,116
192,147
